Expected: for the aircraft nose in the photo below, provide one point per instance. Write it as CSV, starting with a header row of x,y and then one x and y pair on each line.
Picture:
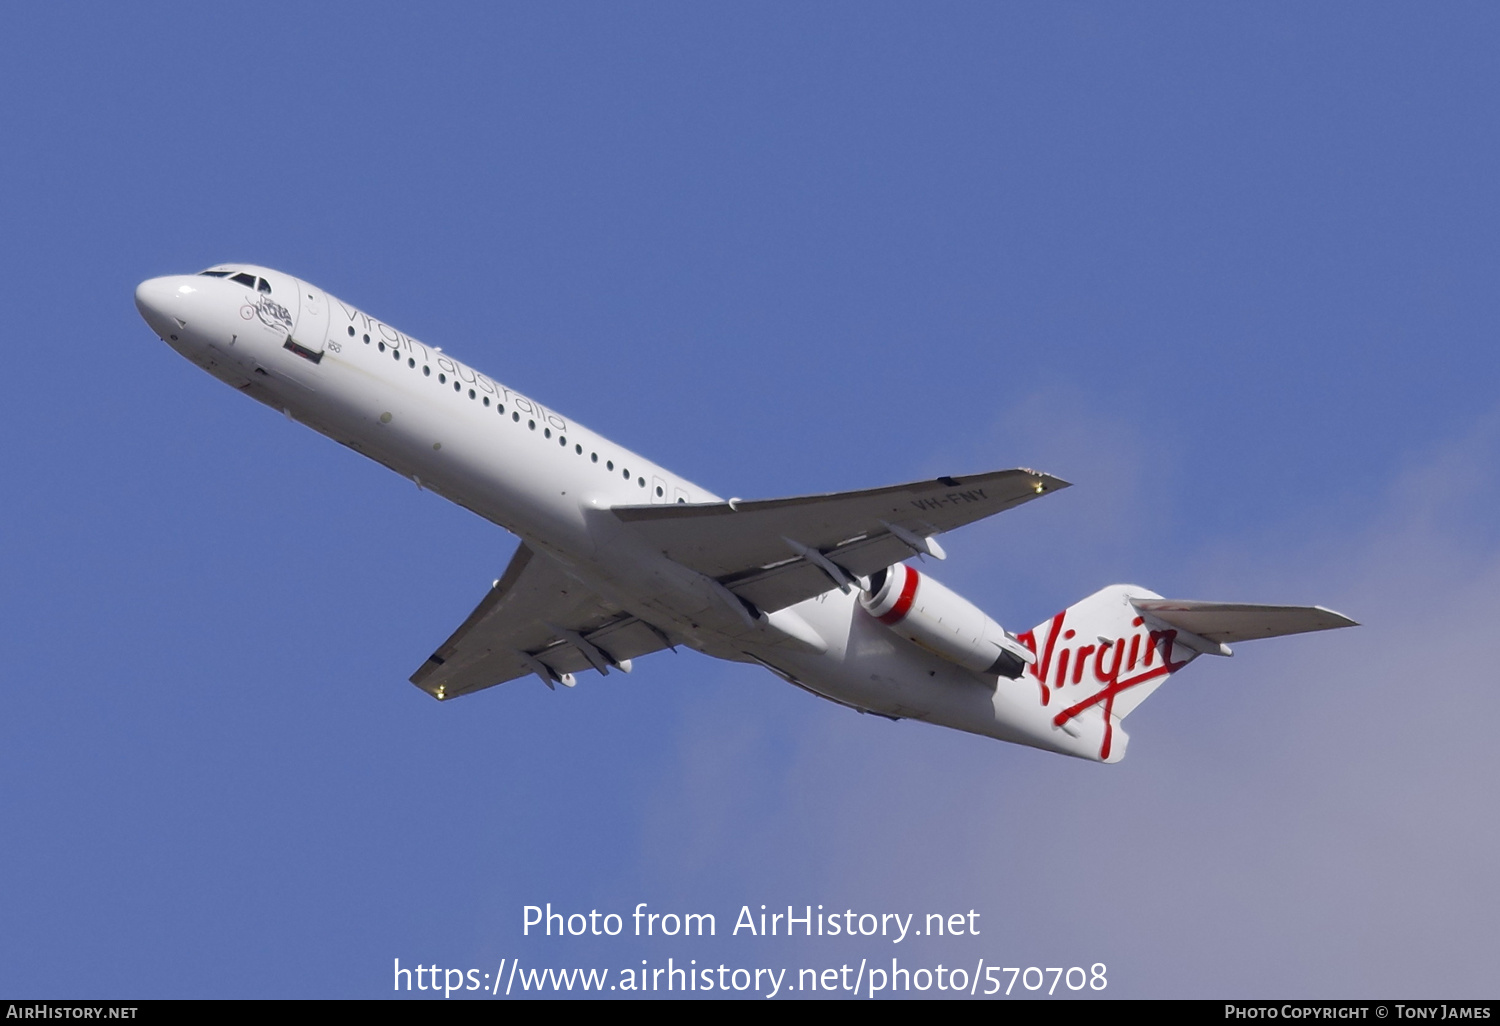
x,y
159,301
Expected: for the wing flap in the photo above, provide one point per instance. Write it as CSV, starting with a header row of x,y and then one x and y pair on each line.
x,y
1240,621
789,582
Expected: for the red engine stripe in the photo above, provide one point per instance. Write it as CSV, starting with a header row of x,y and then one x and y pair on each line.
x,y
903,604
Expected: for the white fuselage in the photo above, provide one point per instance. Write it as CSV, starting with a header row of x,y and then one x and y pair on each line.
x,y
551,481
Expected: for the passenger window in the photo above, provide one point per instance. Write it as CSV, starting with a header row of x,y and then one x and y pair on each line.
x,y
426,372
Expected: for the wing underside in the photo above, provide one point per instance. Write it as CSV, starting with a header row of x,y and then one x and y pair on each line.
x,y
535,620
777,552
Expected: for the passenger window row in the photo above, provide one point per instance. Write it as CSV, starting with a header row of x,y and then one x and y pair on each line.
x,y
500,408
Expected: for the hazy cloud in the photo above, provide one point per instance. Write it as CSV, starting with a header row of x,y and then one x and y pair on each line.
x,y
1312,817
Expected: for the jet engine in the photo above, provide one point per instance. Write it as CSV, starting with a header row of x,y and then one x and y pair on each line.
x,y
925,613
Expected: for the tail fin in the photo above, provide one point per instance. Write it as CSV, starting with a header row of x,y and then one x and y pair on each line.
x,y
1102,657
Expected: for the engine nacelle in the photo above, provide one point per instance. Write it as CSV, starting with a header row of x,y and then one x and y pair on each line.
x,y
925,613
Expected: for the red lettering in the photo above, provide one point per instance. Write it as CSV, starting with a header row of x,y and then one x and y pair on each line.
x,y
1118,648
1083,658
1166,639
1106,697
1041,666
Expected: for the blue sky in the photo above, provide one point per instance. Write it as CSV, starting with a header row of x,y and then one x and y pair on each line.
x,y
1230,269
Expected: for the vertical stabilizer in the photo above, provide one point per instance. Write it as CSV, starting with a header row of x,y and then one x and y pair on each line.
x,y
1099,659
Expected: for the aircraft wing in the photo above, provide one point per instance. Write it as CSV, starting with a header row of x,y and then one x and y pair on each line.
x,y
777,552
535,620
1239,621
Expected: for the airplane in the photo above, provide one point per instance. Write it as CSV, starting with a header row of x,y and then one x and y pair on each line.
x,y
619,557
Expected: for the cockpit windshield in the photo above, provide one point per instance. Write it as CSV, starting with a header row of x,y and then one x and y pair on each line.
x,y
250,281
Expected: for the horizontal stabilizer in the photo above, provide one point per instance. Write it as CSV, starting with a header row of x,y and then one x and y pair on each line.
x,y
1240,621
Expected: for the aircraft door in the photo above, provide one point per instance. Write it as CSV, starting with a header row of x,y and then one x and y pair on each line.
x,y
311,332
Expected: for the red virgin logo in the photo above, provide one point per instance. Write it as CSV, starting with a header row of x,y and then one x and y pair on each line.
x,y
1102,669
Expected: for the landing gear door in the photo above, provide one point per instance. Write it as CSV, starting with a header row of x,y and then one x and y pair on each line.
x,y
311,331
